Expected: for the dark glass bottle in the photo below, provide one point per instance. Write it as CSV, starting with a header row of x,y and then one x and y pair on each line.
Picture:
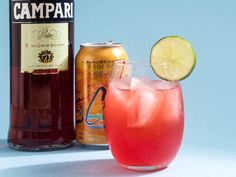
x,y
41,74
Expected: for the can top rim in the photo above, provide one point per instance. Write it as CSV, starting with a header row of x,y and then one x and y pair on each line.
x,y
101,44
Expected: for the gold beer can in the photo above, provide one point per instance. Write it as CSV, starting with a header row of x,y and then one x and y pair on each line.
x,y
94,64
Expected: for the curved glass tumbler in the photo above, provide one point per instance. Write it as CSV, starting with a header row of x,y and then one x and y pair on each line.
x,y
144,117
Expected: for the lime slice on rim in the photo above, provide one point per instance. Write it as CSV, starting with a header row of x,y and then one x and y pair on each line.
x,y
172,58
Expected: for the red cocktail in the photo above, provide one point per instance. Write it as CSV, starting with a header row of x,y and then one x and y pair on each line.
x,y
144,120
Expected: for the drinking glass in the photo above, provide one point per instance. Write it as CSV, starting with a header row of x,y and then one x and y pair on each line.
x,y
144,117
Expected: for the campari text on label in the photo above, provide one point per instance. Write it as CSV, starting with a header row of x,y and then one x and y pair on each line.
x,y
25,11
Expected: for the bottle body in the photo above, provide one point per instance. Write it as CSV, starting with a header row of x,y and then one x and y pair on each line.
x,y
41,75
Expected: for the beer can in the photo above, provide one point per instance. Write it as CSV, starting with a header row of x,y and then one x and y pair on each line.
x,y
94,63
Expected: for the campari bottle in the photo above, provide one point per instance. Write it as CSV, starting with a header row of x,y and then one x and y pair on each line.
x,y
41,74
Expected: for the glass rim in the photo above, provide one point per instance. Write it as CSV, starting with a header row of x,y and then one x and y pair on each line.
x,y
142,63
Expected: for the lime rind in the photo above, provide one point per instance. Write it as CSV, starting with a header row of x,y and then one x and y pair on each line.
x,y
172,58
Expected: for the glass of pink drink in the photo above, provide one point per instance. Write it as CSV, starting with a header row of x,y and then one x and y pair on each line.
x,y
144,118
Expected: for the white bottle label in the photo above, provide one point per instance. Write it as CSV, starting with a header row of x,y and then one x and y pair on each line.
x,y
44,48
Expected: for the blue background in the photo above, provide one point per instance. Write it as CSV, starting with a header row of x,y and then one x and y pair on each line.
x,y
209,25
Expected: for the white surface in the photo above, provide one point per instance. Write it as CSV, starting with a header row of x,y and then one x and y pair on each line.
x,y
81,162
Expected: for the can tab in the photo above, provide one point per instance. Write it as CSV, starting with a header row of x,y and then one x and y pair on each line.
x,y
109,42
